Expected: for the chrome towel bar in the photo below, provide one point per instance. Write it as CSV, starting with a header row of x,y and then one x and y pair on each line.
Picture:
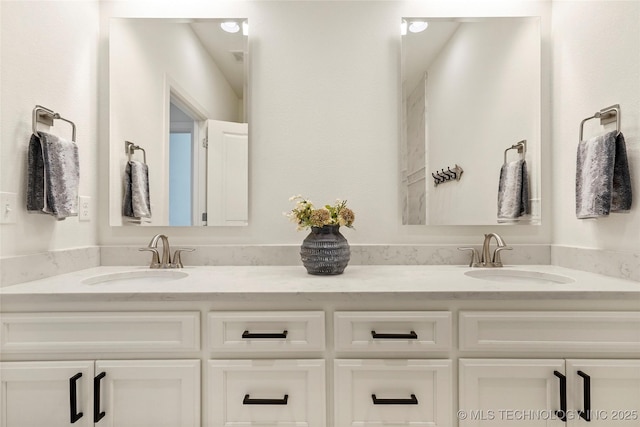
x,y
46,116
130,147
520,146
606,115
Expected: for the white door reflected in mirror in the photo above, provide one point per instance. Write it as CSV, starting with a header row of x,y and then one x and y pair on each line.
x,y
227,173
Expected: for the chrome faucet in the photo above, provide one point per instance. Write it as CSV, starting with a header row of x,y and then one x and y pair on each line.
x,y
166,260
494,261
486,260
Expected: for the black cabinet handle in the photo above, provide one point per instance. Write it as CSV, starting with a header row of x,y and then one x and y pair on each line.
x,y
97,415
586,396
73,398
410,336
249,335
562,413
413,400
248,401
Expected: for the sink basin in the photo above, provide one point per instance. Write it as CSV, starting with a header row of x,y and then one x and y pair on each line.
x,y
136,277
519,276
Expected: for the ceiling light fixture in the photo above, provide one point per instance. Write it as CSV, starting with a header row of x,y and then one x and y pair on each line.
x,y
418,26
230,26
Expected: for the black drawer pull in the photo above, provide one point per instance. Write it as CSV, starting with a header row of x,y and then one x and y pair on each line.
x,y
248,401
249,335
410,336
562,413
97,415
413,400
73,398
586,397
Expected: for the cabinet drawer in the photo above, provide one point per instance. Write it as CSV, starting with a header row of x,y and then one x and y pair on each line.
x,y
549,331
266,392
392,331
415,393
100,331
266,331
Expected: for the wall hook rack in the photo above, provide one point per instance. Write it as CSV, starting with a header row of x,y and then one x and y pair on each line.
x,y
447,175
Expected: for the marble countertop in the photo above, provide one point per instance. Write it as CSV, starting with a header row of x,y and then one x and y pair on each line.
x,y
251,282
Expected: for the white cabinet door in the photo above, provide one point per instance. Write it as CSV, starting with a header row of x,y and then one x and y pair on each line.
x,y
508,392
131,393
503,392
609,388
392,392
148,393
51,394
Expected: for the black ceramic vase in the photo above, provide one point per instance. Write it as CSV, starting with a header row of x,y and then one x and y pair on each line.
x,y
325,251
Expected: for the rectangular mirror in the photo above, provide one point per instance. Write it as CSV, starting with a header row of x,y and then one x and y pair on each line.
x,y
470,90
177,103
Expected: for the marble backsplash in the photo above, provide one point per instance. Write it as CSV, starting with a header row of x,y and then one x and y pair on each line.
x,y
25,268
360,255
623,265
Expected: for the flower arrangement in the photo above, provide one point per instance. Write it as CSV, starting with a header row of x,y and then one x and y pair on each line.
x,y
305,215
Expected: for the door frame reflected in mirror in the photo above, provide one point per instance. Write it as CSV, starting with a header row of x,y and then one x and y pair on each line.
x,y
186,171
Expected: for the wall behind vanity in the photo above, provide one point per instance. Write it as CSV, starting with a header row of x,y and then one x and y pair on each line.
x,y
324,109
324,114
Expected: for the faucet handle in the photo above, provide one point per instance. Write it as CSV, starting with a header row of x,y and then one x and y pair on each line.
x,y
177,259
155,257
496,255
475,260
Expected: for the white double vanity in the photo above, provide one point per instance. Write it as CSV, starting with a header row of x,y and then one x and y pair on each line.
x,y
274,346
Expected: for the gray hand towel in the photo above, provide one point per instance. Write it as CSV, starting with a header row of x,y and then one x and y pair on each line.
x,y
53,176
136,202
35,176
603,182
513,191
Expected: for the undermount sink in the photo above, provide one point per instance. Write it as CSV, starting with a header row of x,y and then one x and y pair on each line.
x,y
519,276
136,277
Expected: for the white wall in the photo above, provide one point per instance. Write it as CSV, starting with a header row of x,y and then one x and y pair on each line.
x,y
324,114
596,63
49,55
324,111
145,57
483,95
